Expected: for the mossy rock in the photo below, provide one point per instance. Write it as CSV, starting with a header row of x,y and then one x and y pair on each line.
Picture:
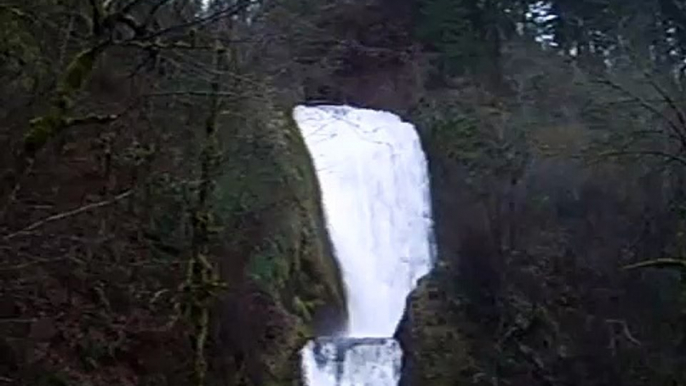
x,y
285,283
434,347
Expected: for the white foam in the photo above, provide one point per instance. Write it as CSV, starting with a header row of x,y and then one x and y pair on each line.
x,y
375,191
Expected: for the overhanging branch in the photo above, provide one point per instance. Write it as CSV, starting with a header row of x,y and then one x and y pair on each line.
x,y
64,215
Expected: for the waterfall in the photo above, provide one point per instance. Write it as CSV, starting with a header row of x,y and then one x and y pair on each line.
x,y
375,192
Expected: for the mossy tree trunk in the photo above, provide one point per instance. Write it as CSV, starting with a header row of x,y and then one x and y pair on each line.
x,y
203,278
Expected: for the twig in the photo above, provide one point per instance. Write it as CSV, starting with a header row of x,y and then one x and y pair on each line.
x,y
65,44
18,320
128,7
665,262
191,93
668,156
33,262
625,330
17,186
643,103
61,216
228,11
669,100
153,11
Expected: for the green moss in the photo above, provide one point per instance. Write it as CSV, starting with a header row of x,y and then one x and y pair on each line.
x,y
43,128
436,349
78,71
274,192
269,203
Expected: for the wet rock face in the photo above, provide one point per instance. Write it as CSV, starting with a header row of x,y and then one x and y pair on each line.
x,y
435,352
328,320
285,285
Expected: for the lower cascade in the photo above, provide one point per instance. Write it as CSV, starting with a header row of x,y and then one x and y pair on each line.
x,y
352,361
375,192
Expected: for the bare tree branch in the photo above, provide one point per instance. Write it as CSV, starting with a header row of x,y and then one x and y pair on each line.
x,y
33,262
625,330
667,262
130,6
656,153
154,10
61,216
96,16
670,102
229,11
674,127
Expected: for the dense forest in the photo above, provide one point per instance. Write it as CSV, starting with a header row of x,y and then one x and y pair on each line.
x,y
160,219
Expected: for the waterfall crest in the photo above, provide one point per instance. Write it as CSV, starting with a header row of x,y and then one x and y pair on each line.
x,y
375,191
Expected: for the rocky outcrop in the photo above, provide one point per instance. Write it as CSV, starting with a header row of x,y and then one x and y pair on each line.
x,y
434,344
285,282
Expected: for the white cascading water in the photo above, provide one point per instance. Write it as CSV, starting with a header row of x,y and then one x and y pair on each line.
x,y
375,191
